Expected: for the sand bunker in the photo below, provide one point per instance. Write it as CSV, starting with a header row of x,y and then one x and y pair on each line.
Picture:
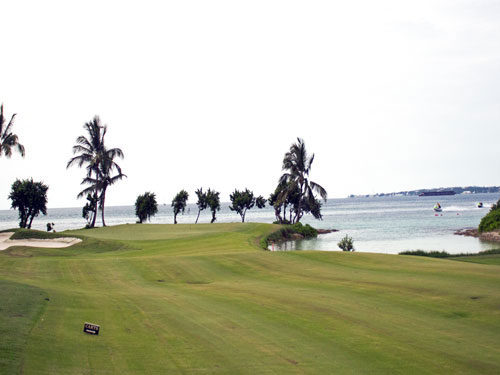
x,y
6,242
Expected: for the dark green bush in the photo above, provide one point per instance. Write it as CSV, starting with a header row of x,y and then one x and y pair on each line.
x,y
346,243
491,221
306,230
285,234
444,254
432,254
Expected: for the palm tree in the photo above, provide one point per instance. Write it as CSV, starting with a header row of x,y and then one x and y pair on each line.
x,y
286,194
104,177
298,164
8,140
99,162
89,151
107,166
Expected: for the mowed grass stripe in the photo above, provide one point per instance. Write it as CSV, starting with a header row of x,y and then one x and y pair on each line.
x,y
216,303
20,309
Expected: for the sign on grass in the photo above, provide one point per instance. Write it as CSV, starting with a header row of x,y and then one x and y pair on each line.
x,y
91,328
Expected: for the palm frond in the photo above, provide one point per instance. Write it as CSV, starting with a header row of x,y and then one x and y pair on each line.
x,y
8,140
319,189
7,131
20,149
84,192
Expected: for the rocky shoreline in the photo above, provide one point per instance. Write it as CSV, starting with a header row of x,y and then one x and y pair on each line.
x,y
326,231
487,236
298,236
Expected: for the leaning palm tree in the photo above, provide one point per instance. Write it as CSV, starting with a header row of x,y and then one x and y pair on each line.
x,y
297,164
8,140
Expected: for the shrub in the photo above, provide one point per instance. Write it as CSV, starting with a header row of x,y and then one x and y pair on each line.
x,y
432,254
491,221
444,254
285,234
346,243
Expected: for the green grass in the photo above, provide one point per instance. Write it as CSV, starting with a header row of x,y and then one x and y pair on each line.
x,y
206,299
493,259
20,308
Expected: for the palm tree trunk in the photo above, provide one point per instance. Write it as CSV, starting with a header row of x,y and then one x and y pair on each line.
x,y
92,225
197,217
298,216
31,221
22,221
96,201
213,217
103,198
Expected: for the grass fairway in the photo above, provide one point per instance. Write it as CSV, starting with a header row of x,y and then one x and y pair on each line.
x,y
493,259
205,299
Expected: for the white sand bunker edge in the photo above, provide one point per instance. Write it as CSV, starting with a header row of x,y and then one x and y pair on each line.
x,y
6,242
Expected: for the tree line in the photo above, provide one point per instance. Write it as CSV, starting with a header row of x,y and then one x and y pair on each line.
x,y
293,197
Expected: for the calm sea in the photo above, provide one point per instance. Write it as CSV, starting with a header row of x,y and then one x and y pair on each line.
x,y
377,224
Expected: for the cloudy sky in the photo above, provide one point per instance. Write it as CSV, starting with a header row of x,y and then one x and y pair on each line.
x,y
389,95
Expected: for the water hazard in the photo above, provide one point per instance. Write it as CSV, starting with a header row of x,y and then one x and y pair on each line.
x,y
377,224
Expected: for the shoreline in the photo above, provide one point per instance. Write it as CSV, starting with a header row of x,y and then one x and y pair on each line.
x,y
487,236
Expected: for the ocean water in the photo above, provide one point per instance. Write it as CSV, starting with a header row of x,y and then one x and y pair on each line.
x,y
377,224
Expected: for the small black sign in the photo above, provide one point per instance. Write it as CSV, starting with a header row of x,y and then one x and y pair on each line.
x,y
91,328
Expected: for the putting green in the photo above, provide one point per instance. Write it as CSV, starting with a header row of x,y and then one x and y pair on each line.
x,y
206,299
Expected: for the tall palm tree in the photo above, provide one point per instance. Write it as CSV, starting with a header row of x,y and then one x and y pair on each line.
x,y
99,162
8,140
89,151
104,179
108,165
298,164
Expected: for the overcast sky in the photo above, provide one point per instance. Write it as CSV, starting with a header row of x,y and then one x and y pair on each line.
x,y
389,95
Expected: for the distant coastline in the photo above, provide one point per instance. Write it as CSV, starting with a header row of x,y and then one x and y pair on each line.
x,y
456,189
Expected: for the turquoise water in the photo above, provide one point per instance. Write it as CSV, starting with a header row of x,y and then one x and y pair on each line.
x,y
377,224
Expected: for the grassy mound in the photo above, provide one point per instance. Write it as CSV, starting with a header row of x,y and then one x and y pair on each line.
x,y
207,299
24,234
